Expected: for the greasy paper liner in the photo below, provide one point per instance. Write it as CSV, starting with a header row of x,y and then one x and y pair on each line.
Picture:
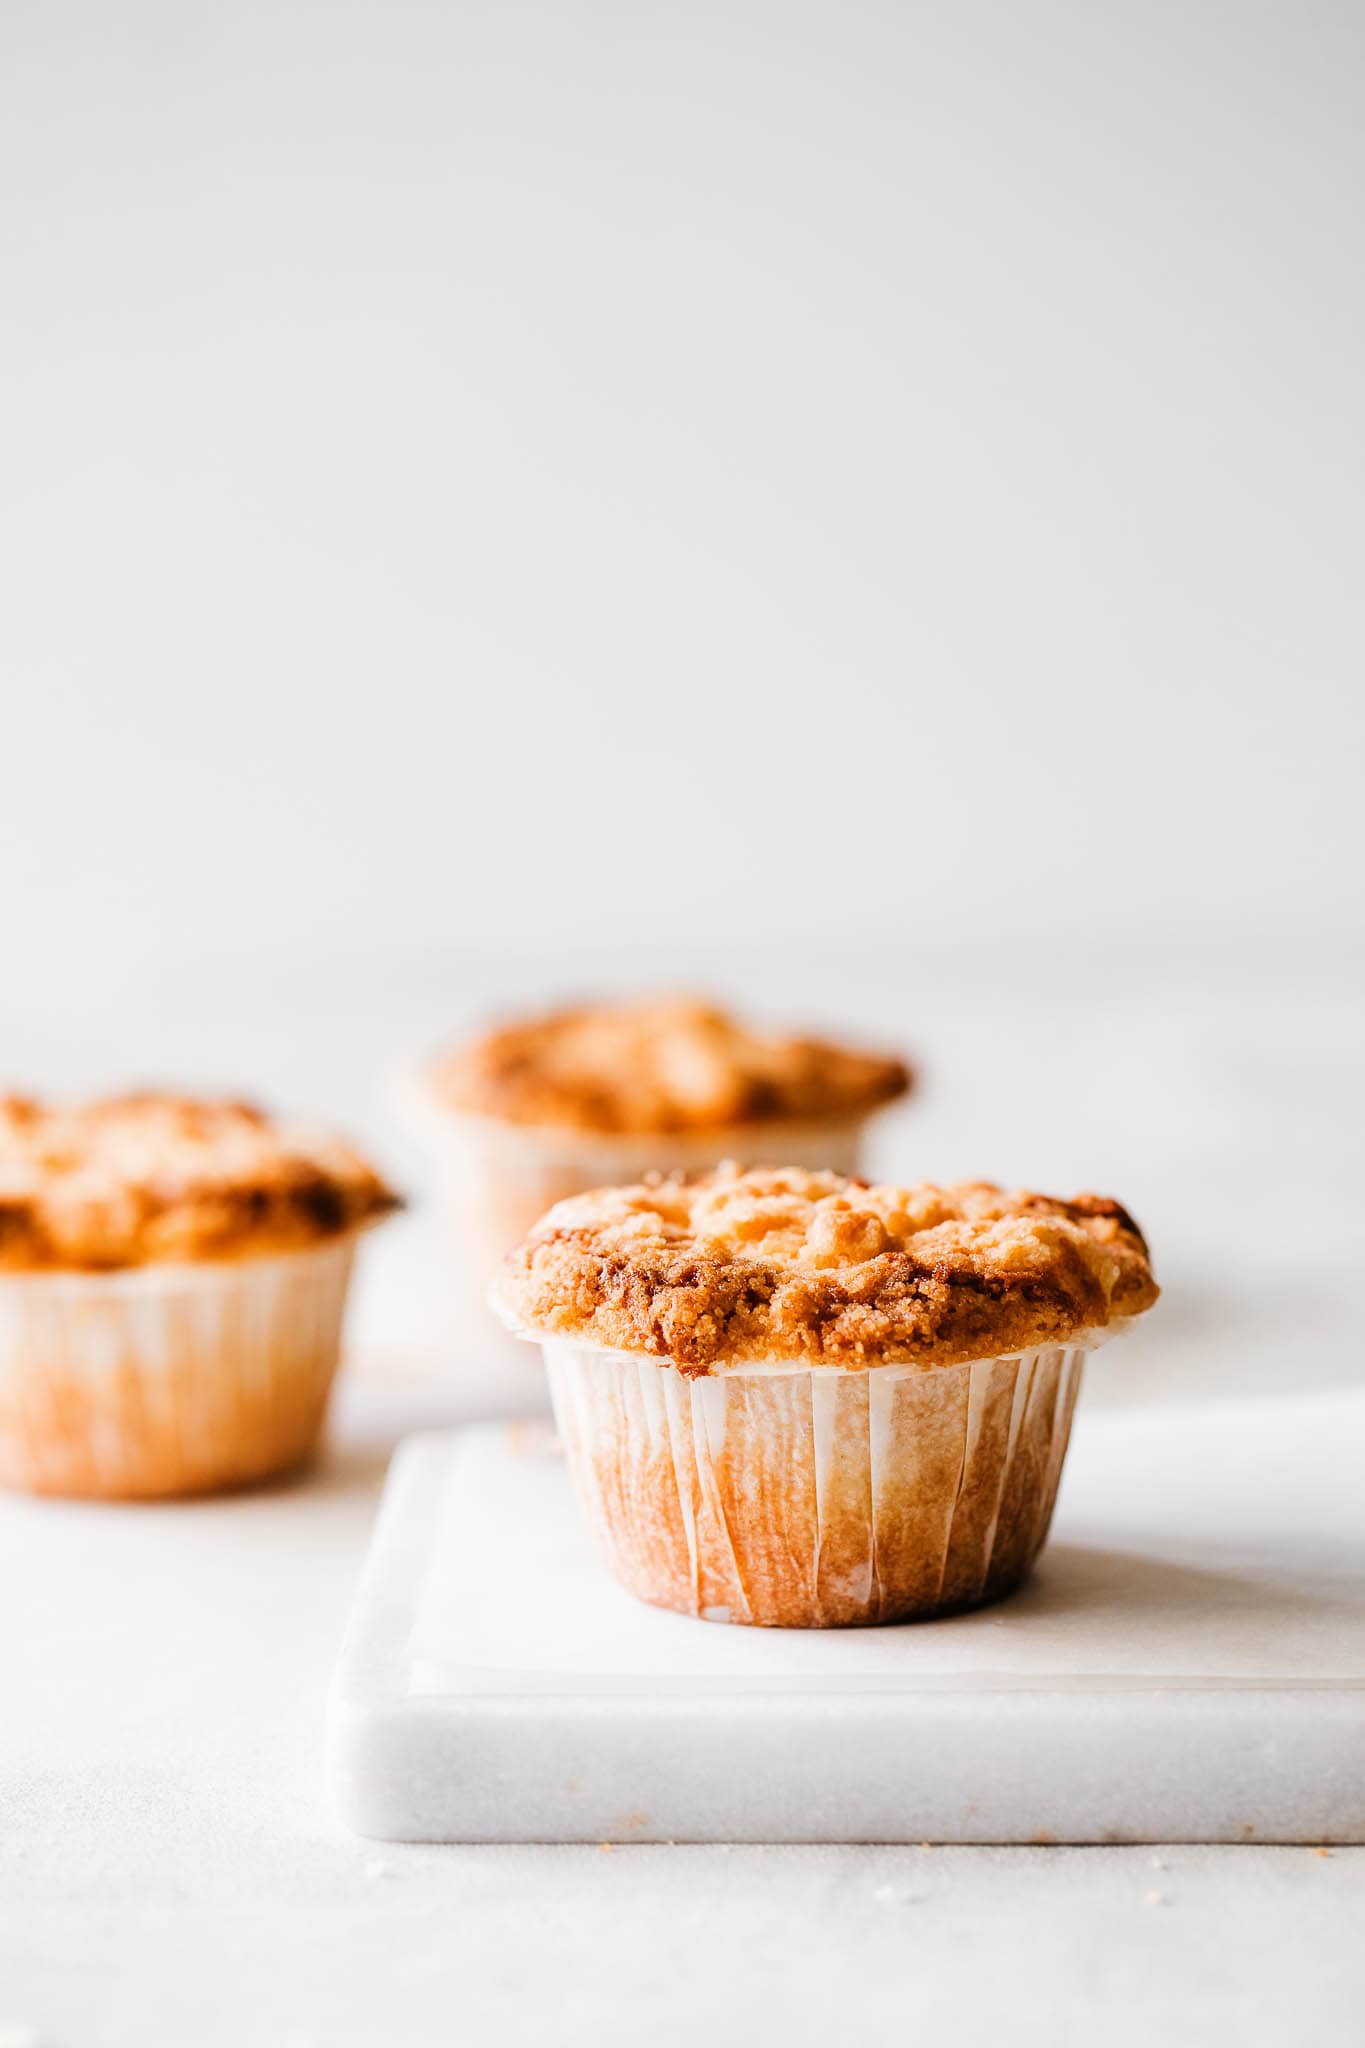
x,y
800,1497
496,1180
167,1380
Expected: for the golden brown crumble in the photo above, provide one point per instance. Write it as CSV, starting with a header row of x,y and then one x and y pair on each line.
x,y
735,1267
137,1179
664,1065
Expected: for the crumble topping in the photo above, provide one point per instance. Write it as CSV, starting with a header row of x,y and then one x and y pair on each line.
x,y
735,1267
136,1179
664,1065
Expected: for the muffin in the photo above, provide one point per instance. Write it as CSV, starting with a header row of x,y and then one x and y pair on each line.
x,y
172,1280
793,1399
602,1093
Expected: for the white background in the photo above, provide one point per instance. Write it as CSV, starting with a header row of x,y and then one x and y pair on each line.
x,y
858,505
513,476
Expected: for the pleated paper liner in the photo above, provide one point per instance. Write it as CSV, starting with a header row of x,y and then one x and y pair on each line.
x,y
816,1497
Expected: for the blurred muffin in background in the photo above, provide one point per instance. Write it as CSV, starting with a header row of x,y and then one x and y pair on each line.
x,y
600,1093
172,1280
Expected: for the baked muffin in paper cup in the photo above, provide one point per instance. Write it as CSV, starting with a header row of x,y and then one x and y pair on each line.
x,y
173,1276
603,1093
795,1400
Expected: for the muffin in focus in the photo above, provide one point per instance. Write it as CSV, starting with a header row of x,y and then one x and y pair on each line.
x,y
793,1399
548,1106
173,1275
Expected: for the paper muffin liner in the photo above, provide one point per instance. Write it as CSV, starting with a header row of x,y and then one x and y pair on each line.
x,y
496,1180
165,1380
815,1497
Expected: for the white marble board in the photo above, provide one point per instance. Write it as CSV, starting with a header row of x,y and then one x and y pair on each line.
x,y
1187,1664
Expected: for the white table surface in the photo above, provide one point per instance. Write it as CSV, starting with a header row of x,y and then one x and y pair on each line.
x,y
170,1875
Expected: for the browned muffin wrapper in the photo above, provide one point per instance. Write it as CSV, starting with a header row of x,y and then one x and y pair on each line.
x,y
169,1380
817,1497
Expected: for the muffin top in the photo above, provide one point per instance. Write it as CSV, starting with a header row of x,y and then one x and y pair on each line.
x,y
137,1179
732,1267
665,1065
